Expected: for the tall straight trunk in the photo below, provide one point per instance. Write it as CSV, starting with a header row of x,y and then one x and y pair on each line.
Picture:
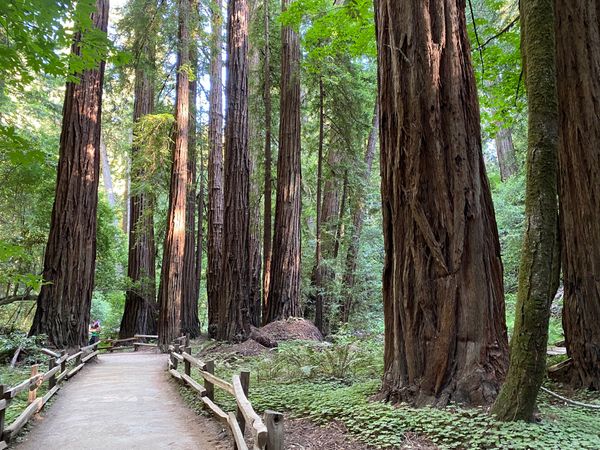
x,y
284,289
445,335
127,219
200,230
328,226
254,148
215,172
267,219
106,175
339,232
317,269
189,309
171,292
539,270
505,151
63,305
358,217
234,321
140,314
578,75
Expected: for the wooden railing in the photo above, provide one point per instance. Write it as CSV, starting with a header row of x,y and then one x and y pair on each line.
x,y
267,432
135,342
61,366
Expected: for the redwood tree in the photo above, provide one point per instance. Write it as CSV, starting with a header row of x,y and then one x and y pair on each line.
x,y
445,334
284,287
539,269
215,171
189,308
267,216
234,322
140,314
172,279
63,305
578,75
358,214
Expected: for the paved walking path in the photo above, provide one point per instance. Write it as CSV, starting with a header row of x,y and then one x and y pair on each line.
x,y
122,401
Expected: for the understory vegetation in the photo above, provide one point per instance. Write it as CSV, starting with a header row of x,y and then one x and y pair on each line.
x,y
340,381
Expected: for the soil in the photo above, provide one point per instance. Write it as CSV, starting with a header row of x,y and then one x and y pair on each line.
x,y
302,434
293,328
279,331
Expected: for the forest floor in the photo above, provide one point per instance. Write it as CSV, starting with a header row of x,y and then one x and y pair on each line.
x,y
326,391
122,401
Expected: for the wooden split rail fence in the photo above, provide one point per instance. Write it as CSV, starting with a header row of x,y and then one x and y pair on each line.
x,y
61,367
267,432
135,343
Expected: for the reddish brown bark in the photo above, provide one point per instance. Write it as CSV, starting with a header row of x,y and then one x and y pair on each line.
x,y
140,314
284,289
267,214
445,335
215,172
63,306
189,309
171,292
358,216
578,74
234,323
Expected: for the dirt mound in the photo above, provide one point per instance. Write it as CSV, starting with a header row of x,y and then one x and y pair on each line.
x,y
293,328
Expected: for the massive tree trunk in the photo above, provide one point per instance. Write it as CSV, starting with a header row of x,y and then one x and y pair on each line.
x,y
445,335
284,289
234,322
171,292
140,314
215,172
267,219
539,269
578,74
358,216
505,151
63,306
189,308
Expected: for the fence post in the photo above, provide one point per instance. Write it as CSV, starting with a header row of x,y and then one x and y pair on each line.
x,y
186,363
52,379
78,358
63,364
175,360
209,366
245,382
32,395
2,411
274,423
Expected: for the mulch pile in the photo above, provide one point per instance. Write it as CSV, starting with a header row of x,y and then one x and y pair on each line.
x,y
266,338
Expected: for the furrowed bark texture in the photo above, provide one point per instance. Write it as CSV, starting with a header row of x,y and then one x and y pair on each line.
x,y
189,308
578,75
505,151
171,292
234,322
539,269
445,335
358,217
215,172
63,305
284,289
140,314
267,214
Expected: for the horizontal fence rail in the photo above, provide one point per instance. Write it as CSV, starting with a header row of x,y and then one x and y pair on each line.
x,y
135,342
61,366
266,431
